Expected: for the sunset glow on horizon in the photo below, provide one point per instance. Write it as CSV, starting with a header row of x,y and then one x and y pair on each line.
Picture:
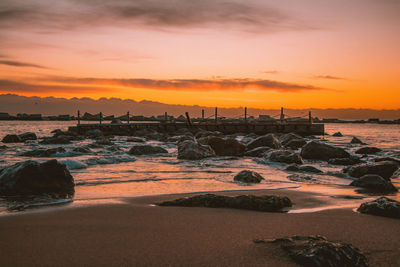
x,y
260,54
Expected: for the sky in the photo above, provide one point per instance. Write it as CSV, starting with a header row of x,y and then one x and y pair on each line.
x,y
255,53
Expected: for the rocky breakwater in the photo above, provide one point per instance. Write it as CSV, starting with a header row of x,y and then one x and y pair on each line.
x,y
33,178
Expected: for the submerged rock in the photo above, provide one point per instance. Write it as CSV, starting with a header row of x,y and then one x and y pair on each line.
x,y
374,182
57,140
226,146
382,168
247,202
82,150
34,178
43,152
146,150
381,207
268,140
12,138
193,151
258,152
355,140
337,134
321,151
306,168
27,136
368,150
247,176
136,139
345,161
318,251
285,156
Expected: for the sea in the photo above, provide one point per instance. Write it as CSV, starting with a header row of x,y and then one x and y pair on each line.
x,y
110,174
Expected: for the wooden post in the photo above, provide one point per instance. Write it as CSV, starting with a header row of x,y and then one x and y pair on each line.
x,y
245,113
188,119
202,114
79,117
128,116
166,116
216,114
101,116
310,117
282,115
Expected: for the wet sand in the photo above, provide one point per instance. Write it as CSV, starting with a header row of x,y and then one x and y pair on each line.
x,y
136,233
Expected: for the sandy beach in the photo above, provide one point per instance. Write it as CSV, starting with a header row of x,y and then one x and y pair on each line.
x,y
137,233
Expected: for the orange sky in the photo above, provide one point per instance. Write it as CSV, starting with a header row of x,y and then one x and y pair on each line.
x,y
262,54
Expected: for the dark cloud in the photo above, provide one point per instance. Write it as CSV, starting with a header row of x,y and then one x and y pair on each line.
x,y
330,77
157,14
88,84
20,64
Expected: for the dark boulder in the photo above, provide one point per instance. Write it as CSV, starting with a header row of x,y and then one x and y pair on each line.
x,y
345,161
246,176
146,150
296,143
337,134
285,156
34,178
374,183
383,168
193,151
247,202
368,150
27,136
268,140
258,152
82,150
201,134
387,159
355,140
43,152
321,151
381,207
12,138
136,140
286,138
317,251
102,141
226,146
306,168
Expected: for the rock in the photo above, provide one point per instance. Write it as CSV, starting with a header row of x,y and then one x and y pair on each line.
x,y
12,138
268,140
193,151
383,168
321,151
318,251
58,140
34,178
248,202
355,140
286,138
375,183
368,150
226,146
136,140
337,134
382,206
345,161
82,150
43,152
27,136
387,159
248,177
146,150
201,134
3,147
306,168
296,143
258,152
285,156
95,133
102,141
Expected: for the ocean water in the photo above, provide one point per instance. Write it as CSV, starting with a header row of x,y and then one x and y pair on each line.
x,y
110,173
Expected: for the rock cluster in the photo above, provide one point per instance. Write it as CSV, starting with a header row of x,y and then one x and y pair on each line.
x,y
382,207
